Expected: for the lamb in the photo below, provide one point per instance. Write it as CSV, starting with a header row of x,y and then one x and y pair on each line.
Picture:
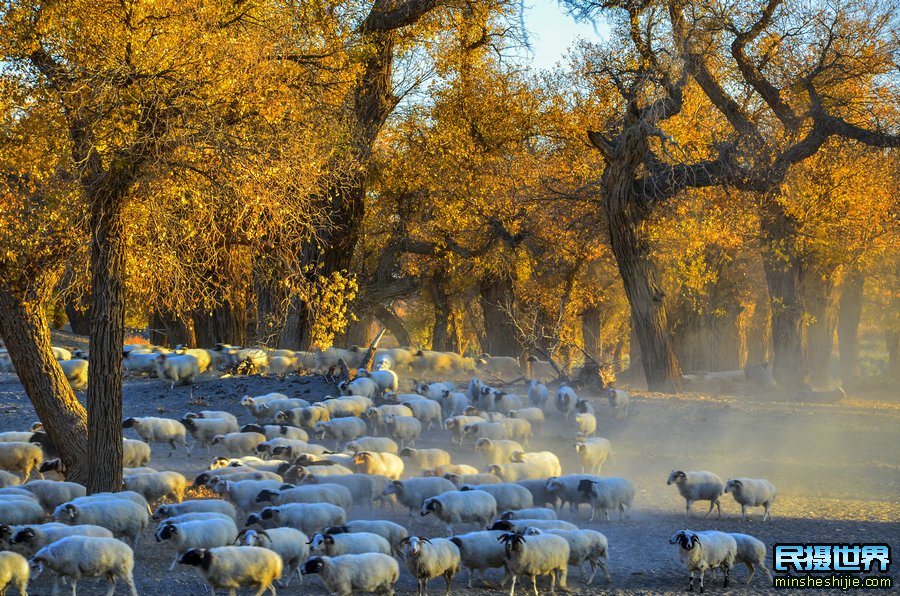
x,y
537,555
344,575
426,458
457,507
160,485
507,495
21,458
565,400
427,559
480,551
140,362
314,493
14,571
207,533
586,425
177,369
122,517
752,553
51,494
341,429
546,459
698,486
135,454
74,557
376,415
61,353
618,401
411,493
497,451
309,518
426,411
194,506
485,430
277,431
385,464
566,488
529,513
608,493
584,546
243,492
233,567
18,510
290,544
537,394
204,430
751,492
239,443
702,551
593,453
514,472
282,365
534,416
76,371
159,430
382,444
403,429
356,543
393,533
539,493
32,538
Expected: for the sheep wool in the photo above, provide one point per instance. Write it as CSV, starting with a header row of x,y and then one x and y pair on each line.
x,y
233,567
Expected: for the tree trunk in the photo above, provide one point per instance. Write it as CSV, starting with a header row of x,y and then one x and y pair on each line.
x,y
79,319
222,325
170,330
758,331
892,340
394,324
104,394
498,308
358,331
782,267
820,299
635,360
590,331
26,335
849,314
443,335
641,278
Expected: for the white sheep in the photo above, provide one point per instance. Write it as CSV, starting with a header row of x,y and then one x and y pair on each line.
x,y
205,533
181,370
196,516
195,506
385,464
355,543
446,469
542,369
566,488
698,486
534,416
593,453
565,400
520,525
76,371
412,492
485,430
268,411
586,425
537,394
363,487
139,362
507,495
313,493
437,362
386,380
544,554
529,513
252,403
382,444
513,472
341,429
14,571
393,533
505,367
344,575
159,430
309,518
427,559
457,424
233,567
497,451
480,551
472,479
290,544
458,507
360,386
18,510
204,430
703,551
21,458
427,411
74,557
61,353
135,454
454,402
585,546
158,485
122,517
277,431
608,493
546,459
239,443
618,401
752,492
517,429
30,539
751,552
426,458
51,493
403,429
16,437
242,493
7,479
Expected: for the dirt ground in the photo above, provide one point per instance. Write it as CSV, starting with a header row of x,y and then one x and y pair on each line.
x,y
836,468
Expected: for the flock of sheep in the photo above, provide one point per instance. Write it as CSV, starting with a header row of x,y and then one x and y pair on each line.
x,y
297,470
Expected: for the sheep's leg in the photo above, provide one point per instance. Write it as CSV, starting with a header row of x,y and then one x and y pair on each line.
x,y
563,573
172,445
448,575
111,581
512,587
606,513
718,508
74,586
534,585
174,562
701,580
711,505
691,585
727,571
621,512
751,569
766,515
743,512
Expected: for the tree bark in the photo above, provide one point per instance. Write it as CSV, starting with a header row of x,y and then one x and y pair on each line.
x,y
849,314
590,331
820,301
79,318
498,308
170,330
27,336
393,323
443,334
222,325
782,267
104,394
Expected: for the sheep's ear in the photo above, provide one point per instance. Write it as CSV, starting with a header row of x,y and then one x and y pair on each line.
x,y
675,537
695,539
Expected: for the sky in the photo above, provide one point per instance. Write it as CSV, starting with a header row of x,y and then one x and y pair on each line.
x,y
552,32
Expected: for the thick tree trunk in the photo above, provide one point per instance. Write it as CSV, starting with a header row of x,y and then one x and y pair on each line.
x,y
849,314
26,335
782,267
820,299
443,334
79,319
758,331
590,331
170,330
358,331
104,394
641,278
222,325
498,308
394,324
712,340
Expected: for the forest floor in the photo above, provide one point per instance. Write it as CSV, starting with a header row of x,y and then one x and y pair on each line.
x,y
837,469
